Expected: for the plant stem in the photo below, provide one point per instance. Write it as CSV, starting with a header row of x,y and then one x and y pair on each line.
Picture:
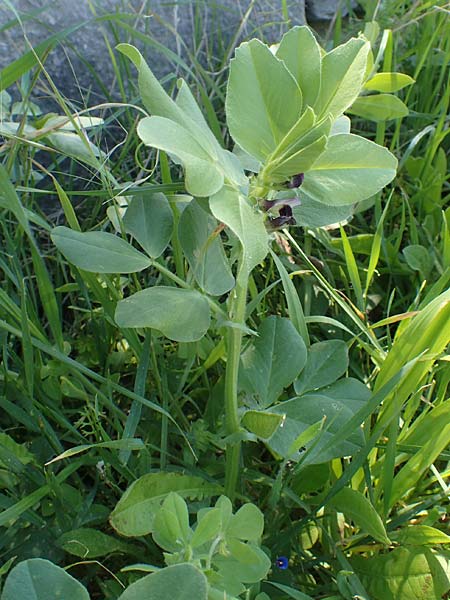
x,y
234,343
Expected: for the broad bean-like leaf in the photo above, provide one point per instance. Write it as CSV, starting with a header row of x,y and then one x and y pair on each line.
x,y
135,512
273,361
35,578
181,315
207,528
325,363
250,563
178,582
379,107
263,424
233,209
149,219
341,125
258,114
343,71
311,213
203,248
203,177
186,113
418,258
247,524
357,507
412,573
98,251
388,82
300,413
350,170
301,54
301,161
91,543
72,144
171,529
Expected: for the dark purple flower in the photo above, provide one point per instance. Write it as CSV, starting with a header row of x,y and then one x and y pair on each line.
x,y
282,562
296,181
285,218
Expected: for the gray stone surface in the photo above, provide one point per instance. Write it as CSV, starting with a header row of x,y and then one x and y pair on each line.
x,y
168,22
325,10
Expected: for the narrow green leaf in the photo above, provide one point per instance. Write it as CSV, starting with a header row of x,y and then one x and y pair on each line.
x,y
295,308
128,444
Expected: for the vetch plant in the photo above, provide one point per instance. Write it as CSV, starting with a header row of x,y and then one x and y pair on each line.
x,y
294,159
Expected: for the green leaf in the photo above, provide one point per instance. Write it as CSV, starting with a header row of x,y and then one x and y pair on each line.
x,y
233,209
258,114
149,219
185,113
181,315
91,543
247,524
208,528
350,170
80,148
295,309
343,71
134,513
360,510
380,107
388,82
98,252
421,535
418,258
262,424
313,214
123,444
178,582
203,177
250,563
301,54
290,592
326,362
403,574
341,125
203,248
33,579
299,162
273,361
171,528
300,413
